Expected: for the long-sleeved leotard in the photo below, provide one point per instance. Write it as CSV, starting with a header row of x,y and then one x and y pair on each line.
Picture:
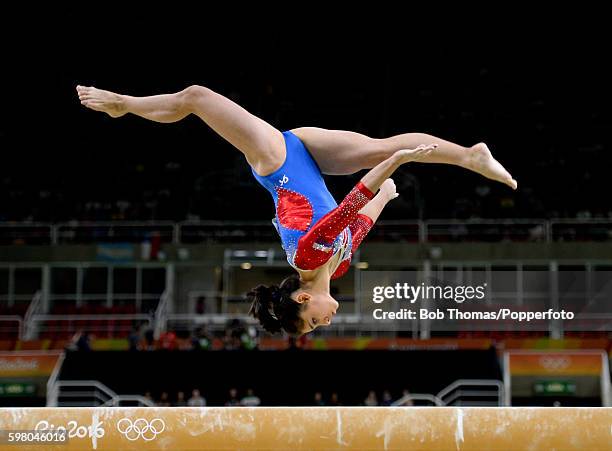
x,y
312,227
316,247
359,229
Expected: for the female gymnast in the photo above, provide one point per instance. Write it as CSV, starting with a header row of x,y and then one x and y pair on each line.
x,y
318,235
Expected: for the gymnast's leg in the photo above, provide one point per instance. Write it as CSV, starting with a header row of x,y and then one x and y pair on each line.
x,y
262,145
341,152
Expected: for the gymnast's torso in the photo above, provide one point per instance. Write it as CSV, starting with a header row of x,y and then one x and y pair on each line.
x,y
311,227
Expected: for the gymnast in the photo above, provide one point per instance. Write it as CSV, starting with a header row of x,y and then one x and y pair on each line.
x,y
318,235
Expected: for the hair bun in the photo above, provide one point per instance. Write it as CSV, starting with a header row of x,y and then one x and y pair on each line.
x,y
263,300
274,308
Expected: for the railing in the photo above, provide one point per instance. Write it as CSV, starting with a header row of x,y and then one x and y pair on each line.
x,y
37,322
145,302
17,329
113,232
88,393
29,232
580,229
191,232
486,230
344,324
161,314
119,400
457,394
52,387
408,400
34,308
96,322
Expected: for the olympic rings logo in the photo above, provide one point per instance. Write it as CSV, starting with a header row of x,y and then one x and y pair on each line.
x,y
141,428
555,363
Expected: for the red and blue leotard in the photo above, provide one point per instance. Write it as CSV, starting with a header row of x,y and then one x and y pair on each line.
x,y
312,226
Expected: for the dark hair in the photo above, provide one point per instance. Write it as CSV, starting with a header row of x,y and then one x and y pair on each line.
x,y
273,307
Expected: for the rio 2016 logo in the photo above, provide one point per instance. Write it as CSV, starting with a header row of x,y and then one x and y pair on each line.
x,y
141,428
74,430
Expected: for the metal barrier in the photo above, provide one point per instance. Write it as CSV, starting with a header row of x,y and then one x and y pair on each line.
x,y
93,319
344,324
113,232
456,394
17,330
580,229
192,232
26,232
408,400
34,308
89,393
486,230
161,313
119,400
52,388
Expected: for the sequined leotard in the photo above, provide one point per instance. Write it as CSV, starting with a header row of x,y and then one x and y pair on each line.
x,y
312,226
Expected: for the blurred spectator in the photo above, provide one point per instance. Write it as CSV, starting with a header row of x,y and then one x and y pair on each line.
x,y
233,398
202,340
134,340
180,399
296,343
196,399
184,340
164,400
387,400
250,400
149,398
237,336
406,400
80,342
167,340
318,399
334,400
292,344
371,400
231,340
149,339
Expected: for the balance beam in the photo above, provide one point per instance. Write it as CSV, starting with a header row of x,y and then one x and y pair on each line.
x,y
314,428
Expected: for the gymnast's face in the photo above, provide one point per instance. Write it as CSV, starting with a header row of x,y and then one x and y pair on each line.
x,y
319,309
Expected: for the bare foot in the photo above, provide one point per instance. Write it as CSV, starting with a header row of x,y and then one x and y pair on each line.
x,y
481,161
100,100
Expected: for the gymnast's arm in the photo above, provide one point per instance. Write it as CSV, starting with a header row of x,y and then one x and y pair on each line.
x,y
365,220
316,247
387,193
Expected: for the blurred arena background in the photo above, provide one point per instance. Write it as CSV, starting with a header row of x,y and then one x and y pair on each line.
x,y
126,247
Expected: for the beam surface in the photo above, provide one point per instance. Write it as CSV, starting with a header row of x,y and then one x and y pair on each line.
x,y
313,428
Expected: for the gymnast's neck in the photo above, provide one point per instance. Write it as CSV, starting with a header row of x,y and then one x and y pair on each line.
x,y
316,280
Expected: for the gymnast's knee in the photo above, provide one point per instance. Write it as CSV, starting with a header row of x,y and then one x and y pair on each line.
x,y
193,96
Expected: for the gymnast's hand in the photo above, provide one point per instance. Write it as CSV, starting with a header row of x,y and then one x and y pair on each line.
x,y
388,190
416,154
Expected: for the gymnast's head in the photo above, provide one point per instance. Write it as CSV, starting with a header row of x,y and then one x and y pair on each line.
x,y
290,307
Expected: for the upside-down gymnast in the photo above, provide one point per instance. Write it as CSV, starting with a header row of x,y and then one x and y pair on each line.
x,y
318,235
